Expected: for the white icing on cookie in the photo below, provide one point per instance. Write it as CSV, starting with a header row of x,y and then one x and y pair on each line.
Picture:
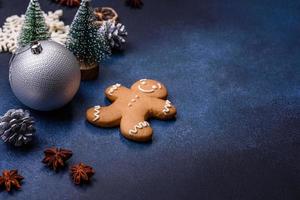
x,y
167,107
153,87
140,125
113,88
133,100
96,113
146,91
143,80
159,85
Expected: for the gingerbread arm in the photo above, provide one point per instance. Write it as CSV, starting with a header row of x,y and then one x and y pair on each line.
x,y
162,109
104,116
114,91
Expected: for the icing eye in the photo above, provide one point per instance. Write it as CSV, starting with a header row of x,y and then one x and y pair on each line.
x,y
144,83
154,86
159,85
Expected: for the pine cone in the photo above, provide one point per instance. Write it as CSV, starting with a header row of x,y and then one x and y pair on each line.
x,y
17,127
115,34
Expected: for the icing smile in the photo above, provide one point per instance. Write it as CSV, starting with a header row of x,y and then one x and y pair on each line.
x,y
153,87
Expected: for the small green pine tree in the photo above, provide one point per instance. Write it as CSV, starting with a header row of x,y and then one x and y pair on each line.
x,y
34,27
85,39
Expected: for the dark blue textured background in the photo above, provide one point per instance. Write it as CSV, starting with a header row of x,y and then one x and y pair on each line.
x,y
232,70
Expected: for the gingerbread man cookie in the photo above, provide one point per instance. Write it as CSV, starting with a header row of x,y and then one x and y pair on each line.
x,y
132,107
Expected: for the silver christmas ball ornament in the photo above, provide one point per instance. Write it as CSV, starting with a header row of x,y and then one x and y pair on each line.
x,y
44,75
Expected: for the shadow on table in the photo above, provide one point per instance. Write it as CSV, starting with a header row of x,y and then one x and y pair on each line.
x,y
23,150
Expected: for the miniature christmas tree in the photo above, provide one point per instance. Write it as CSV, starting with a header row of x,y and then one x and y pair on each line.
x,y
34,27
85,39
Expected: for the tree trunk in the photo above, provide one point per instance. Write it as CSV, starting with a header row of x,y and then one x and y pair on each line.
x,y
89,71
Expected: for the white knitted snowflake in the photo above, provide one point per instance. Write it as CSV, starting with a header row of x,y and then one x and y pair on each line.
x,y
13,24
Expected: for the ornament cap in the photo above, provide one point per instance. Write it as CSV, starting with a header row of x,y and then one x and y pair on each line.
x,y
36,47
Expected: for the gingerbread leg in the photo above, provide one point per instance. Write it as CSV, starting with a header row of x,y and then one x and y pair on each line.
x,y
106,116
136,128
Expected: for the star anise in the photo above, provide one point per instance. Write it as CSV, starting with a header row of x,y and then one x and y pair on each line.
x,y
104,14
10,179
81,173
135,3
56,158
69,2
